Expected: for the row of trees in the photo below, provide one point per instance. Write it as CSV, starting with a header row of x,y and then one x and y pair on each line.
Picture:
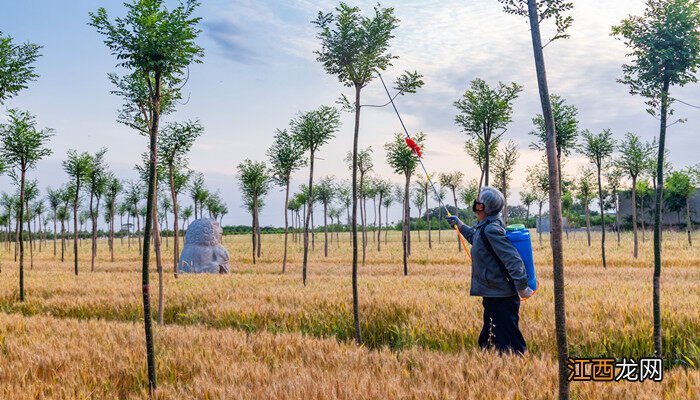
x,y
154,46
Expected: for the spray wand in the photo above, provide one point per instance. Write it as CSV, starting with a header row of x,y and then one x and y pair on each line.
x,y
417,151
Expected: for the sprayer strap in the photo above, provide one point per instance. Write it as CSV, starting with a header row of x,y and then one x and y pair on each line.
x,y
504,270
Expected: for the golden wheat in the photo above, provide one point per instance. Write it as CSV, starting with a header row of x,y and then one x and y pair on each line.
x,y
291,341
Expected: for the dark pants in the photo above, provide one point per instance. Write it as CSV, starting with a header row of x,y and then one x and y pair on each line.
x,y
500,329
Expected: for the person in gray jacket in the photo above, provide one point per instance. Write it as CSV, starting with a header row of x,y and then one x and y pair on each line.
x,y
498,273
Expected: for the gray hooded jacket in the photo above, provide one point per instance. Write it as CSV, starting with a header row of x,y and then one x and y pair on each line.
x,y
488,278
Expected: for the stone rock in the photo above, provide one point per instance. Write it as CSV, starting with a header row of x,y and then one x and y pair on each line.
x,y
203,252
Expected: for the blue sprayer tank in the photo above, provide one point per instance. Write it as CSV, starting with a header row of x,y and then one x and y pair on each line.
x,y
520,237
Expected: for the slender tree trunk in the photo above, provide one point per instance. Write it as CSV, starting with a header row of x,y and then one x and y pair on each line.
x,y
75,225
148,221
362,216
355,299
656,297
634,215
307,218
587,211
159,263
111,229
20,235
325,229
54,233
617,216
29,238
257,229
286,224
406,218
252,228
602,216
63,239
487,146
554,204
427,217
379,227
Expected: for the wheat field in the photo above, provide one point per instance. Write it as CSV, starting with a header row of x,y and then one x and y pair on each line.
x,y
258,333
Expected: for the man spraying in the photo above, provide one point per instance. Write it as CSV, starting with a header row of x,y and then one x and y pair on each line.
x,y
498,273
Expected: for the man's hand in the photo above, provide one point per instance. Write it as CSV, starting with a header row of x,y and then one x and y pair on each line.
x,y
454,221
525,293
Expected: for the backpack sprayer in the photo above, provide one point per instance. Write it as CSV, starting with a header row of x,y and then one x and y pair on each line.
x,y
417,151
520,237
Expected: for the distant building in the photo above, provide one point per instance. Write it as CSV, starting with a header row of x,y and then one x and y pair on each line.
x,y
543,225
669,218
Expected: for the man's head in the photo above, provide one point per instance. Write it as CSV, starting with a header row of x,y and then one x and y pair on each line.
x,y
489,202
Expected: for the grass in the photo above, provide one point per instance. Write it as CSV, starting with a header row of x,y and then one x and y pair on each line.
x,y
258,333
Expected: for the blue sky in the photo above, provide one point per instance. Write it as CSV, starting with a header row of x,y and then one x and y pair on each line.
x,y
259,70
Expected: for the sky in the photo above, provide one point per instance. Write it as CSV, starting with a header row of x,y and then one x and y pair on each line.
x,y
260,70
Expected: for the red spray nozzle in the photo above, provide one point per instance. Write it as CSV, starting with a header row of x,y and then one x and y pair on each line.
x,y
414,146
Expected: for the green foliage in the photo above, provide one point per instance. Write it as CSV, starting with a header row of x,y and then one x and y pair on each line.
x,y
565,124
635,155
484,110
313,129
16,66
546,9
325,190
679,187
504,165
597,147
451,180
176,140
151,39
665,47
285,156
254,182
585,187
353,47
22,145
400,157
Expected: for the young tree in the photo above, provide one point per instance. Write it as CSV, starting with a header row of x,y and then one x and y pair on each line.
x,y
364,166
665,44
354,48
680,187
527,198
469,194
176,140
16,66
402,159
384,191
55,200
633,160
285,156
423,184
418,200
113,187
503,167
452,181
584,194
95,184
538,180
598,148
157,45
536,12
254,182
565,128
484,114
325,192
476,150
613,177
22,145
311,130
